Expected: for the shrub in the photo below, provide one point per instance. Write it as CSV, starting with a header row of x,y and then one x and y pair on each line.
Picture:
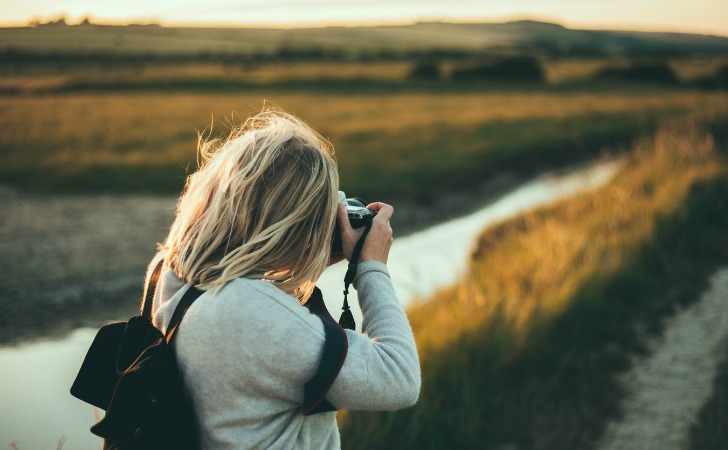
x,y
425,71
717,81
650,72
502,69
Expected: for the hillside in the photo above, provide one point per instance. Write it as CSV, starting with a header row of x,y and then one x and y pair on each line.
x,y
448,39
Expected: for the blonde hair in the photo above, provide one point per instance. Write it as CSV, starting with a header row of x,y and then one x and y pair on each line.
x,y
262,205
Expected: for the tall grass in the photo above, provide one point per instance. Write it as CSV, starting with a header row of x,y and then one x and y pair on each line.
x,y
412,141
524,350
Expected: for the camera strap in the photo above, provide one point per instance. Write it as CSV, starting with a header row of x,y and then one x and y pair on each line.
x,y
347,319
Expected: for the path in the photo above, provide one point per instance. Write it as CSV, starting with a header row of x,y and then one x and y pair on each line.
x,y
672,383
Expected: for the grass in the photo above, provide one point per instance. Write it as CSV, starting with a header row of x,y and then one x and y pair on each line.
x,y
524,351
413,141
236,74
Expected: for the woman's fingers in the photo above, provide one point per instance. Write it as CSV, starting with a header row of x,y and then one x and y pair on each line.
x,y
384,211
379,240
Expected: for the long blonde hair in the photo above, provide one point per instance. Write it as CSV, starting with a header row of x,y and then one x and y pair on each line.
x,y
262,205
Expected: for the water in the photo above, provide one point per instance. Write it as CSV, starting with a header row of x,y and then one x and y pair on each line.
x,y
434,258
37,411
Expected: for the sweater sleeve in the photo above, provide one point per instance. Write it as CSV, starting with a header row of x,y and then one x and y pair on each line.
x,y
381,370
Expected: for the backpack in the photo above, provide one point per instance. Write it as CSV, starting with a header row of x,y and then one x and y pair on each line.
x,y
131,372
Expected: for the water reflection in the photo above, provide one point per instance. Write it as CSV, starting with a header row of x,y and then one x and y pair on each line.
x,y
37,409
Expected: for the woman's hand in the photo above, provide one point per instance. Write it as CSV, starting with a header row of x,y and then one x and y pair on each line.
x,y
378,241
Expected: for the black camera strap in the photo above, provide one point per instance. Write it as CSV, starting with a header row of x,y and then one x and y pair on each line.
x,y
347,319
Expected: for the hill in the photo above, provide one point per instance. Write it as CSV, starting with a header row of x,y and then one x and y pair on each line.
x,y
441,39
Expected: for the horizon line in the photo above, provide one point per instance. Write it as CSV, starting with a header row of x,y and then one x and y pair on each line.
x,y
368,24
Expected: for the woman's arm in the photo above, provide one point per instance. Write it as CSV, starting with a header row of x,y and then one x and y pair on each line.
x,y
381,370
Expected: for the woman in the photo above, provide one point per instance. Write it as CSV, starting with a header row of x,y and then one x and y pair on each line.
x,y
253,229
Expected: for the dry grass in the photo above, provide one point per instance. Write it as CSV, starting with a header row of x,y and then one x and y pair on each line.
x,y
56,139
241,72
523,351
551,254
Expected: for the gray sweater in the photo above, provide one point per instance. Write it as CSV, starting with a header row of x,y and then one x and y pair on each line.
x,y
246,352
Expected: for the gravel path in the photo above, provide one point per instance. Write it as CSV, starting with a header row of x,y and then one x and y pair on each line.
x,y
672,383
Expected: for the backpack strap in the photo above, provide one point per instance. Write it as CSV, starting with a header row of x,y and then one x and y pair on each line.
x,y
149,288
179,312
332,359
184,304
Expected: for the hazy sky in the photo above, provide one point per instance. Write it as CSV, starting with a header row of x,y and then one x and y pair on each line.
x,y
699,16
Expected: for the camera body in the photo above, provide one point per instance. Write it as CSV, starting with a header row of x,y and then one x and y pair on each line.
x,y
358,216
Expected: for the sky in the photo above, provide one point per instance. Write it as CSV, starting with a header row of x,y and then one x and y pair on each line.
x,y
691,16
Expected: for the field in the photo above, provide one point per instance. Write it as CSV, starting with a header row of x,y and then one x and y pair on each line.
x,y
525,350
416,143
119,109
433,38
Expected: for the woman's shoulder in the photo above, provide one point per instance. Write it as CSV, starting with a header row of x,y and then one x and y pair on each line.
x,y
245,300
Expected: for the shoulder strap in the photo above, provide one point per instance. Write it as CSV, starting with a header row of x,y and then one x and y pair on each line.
x,y
335,348
179,312
184,304
148,296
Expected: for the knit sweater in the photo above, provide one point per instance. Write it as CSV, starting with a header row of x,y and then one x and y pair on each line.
x,y
246,352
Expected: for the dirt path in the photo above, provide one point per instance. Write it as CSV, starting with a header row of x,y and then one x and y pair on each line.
x,y
672,383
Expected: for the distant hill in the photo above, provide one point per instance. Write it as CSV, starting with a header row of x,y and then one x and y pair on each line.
x,y
445,39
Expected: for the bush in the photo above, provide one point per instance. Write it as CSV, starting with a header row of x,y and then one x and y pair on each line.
x,y
654,72
503,69
717,81
425,71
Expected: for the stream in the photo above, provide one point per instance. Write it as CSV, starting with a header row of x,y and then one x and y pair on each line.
x,y
37,412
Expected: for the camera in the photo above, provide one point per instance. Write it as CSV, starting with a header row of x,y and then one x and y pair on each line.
x,y
358,216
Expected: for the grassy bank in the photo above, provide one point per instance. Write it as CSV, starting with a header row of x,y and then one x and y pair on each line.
x,y
525,350
414,142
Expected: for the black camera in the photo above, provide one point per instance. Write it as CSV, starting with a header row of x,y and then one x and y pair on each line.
x,y
358,214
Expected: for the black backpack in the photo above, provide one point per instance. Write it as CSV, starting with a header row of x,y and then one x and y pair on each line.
x,y
131,372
